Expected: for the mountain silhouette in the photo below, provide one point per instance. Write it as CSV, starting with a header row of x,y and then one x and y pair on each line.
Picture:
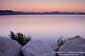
x,y
11,12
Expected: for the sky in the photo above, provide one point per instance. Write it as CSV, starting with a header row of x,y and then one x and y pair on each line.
x,y
43,5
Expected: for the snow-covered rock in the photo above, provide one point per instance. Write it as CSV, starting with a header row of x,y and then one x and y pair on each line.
x,y
37,48
74,45
9,47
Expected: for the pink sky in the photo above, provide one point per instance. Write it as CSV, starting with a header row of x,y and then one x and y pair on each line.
x,y
43,5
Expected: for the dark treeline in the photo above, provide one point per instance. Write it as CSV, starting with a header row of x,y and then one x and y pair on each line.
x,y
11,12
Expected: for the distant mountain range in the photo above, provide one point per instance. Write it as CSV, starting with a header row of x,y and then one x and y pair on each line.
x,y
11,12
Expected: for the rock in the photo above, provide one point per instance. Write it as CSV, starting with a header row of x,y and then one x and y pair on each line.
x,y
9,47
37,48
74,45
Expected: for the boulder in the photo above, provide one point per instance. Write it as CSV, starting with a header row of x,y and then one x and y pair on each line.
x,y
74,46
37,48
9,47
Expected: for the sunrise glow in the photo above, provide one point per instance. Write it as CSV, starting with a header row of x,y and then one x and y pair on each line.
x,y
43,5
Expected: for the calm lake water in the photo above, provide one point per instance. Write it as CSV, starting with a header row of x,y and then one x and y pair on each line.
x,y
44,26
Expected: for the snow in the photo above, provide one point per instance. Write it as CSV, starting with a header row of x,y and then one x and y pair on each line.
x,y
38,48
9,47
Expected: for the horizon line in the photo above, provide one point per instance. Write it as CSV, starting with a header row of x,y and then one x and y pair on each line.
x,y
39,11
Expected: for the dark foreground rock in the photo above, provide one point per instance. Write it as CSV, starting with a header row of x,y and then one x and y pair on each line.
x,y
74,46
9,47
37,48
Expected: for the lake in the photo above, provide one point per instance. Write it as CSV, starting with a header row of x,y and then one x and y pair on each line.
x,y
44,26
